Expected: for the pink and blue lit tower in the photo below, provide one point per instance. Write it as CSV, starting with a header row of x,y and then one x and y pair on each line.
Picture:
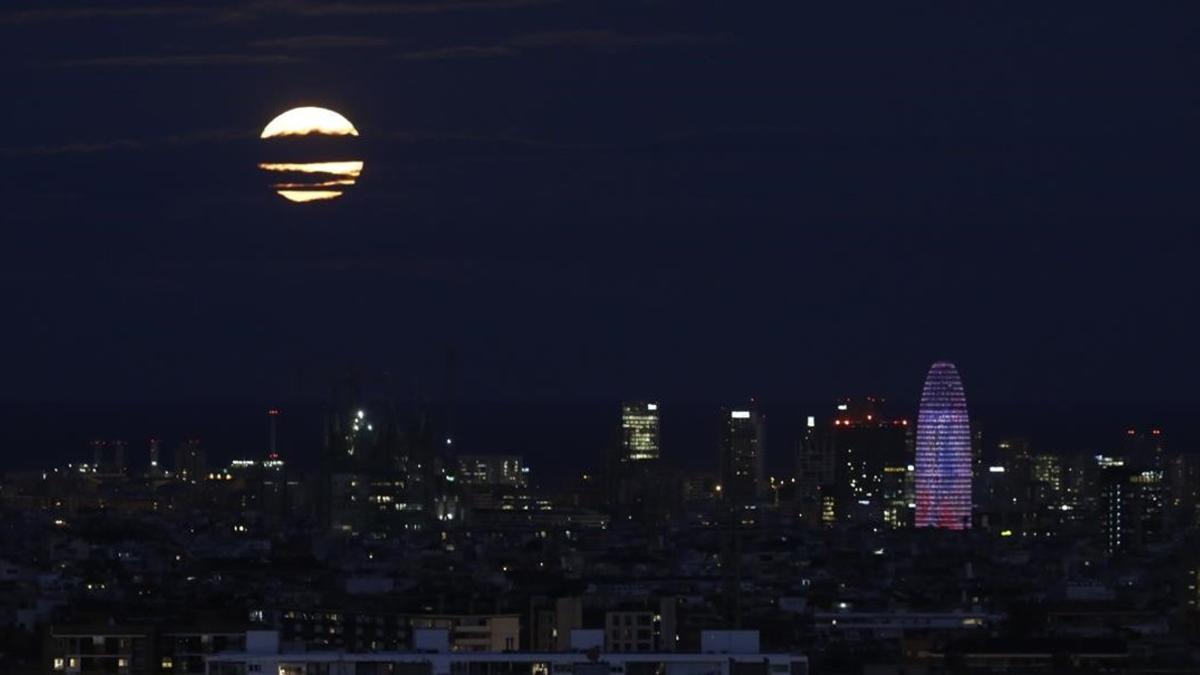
x,y
943,476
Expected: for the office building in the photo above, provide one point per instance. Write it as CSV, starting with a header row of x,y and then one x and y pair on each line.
x,y
640,432
743,452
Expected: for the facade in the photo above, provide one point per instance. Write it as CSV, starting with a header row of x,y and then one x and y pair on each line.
x,y
132,650
352,630
723,653
632,631
101,649
943,456
646,629
507,470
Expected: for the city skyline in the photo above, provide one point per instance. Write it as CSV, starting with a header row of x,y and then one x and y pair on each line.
x,y
598,337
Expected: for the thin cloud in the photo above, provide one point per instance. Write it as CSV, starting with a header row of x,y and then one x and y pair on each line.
x,y
463,53
116,145
73,148
577,39
51,14
255,10
322,42
262,8
479,141
152,61
601,39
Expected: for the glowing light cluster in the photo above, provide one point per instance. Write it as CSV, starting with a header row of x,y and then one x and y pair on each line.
x,y
943,468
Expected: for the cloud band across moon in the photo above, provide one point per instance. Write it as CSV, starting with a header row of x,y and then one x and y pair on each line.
x,y
313,181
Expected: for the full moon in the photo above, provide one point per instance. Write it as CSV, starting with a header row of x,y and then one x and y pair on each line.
x,y
310,181
309,120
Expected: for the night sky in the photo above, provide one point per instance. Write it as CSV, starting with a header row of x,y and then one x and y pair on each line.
x,y
690,200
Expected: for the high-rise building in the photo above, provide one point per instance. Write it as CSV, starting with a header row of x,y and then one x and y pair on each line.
x,y
1133,502
743,450
943,457
273,433
108,457
155,469
1183,485
634,477
815,466
191,462
274,471
1144,448
1047,480
384,474
857,466
639,431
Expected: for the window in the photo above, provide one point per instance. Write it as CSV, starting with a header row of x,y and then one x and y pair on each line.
x,y
59,664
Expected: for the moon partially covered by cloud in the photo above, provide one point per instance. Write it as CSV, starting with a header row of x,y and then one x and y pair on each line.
x,y
309,120
310,181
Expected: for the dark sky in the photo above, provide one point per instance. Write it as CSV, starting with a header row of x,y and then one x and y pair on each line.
x,y
691,200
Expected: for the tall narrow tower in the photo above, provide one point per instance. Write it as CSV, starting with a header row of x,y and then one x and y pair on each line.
x,y
155,471
743,450
272,433
943,475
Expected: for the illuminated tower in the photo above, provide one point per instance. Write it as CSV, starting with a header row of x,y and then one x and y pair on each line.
x,y
639,432
943,468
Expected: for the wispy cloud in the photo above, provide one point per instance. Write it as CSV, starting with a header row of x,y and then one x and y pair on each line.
x,y
50,14
119,144
73,148
602,39
465,52
259,9
598,40
153,60
322,42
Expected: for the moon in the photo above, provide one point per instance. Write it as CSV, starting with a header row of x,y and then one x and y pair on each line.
x,y
309,181
309,120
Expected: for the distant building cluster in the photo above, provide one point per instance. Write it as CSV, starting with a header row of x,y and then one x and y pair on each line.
x,y
895,543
